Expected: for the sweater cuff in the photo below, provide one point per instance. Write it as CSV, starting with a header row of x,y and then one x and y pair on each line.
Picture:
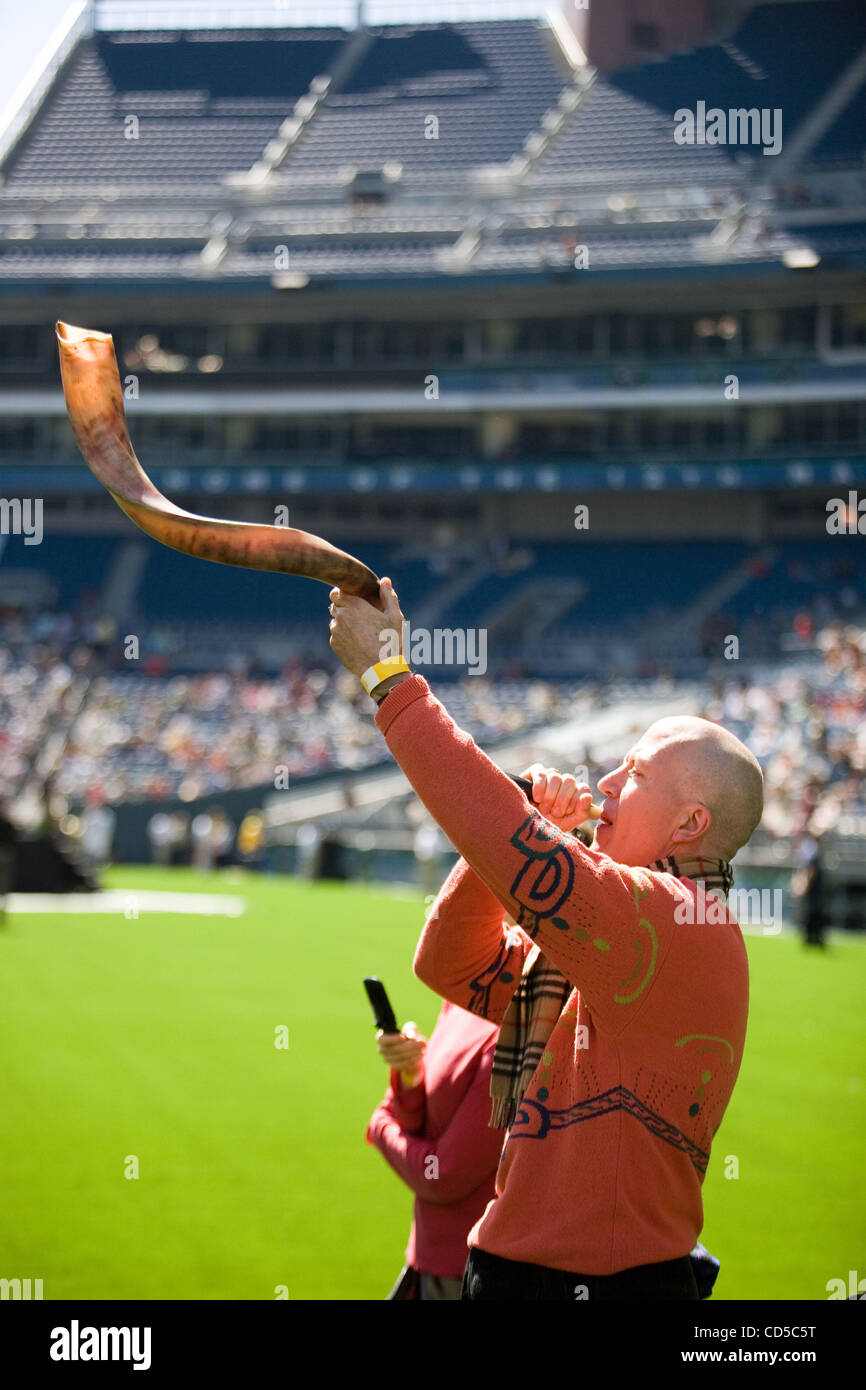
x,y
406,693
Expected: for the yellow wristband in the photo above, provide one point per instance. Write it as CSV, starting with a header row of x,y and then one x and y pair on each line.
x,y
375,675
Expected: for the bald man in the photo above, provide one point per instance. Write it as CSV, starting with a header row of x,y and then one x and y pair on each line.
x,y
621,991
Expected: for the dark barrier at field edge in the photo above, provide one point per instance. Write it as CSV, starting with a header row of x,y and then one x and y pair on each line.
x,y
131,845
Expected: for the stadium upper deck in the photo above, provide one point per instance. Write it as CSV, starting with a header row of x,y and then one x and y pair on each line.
x,y
414,152
231,204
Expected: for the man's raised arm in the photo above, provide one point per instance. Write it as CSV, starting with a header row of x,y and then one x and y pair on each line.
x,y
602,924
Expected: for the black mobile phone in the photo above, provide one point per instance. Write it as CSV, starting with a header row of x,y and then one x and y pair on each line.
x,y
523,783
381,1004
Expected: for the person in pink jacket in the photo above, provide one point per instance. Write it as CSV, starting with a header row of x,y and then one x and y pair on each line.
x,y
432,1129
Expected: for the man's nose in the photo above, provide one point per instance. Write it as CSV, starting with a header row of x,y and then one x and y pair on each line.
x,y
608,785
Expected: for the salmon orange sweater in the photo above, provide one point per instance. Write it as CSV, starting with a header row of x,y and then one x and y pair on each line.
x,y
602,1169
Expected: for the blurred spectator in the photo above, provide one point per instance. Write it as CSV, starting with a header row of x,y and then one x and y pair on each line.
x,y
97,831
201,835
308,841
429,847
810,885
251,840
160,833
222,837
180,854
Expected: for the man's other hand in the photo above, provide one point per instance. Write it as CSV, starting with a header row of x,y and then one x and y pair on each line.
x,y
558,796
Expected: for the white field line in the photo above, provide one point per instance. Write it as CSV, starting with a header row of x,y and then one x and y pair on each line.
x,y
124,903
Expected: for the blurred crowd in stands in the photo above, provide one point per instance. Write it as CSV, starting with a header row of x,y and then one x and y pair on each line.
x,y
146,737
805,721
809,732
121,736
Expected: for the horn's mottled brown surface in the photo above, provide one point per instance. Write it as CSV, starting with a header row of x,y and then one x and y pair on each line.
x,y
94,399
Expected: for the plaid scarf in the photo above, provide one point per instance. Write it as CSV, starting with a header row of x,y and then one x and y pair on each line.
x,y
542,995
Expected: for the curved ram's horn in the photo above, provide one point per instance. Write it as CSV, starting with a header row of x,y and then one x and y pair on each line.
x,y
91,385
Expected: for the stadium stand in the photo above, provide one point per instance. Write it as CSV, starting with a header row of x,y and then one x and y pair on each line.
x,y
207,103
318,303
490,85
753,68
616,135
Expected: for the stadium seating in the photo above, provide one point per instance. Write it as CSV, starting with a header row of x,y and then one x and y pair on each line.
x,y
178,591
612,572
76,565
753,68
487,84
841,146
796,574
207,104
224,688
619,134
141,737
624,124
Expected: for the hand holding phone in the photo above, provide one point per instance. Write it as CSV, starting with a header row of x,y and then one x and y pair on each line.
x,y
402,1050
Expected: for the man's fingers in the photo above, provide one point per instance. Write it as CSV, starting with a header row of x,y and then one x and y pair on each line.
x,y
558,796
553,789
566,798
539,785
341,600
390,601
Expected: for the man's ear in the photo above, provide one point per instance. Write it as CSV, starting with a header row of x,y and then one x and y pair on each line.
x,y
694,825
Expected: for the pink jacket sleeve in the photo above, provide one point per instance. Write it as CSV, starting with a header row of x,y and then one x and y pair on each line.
x,y
408,1104
451,1167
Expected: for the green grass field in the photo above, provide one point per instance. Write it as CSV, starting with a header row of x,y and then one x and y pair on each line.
x,y
155,1038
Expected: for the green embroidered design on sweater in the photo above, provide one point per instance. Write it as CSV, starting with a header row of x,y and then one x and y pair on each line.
x,y
640,890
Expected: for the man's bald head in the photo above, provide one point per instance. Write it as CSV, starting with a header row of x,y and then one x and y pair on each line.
x,y
712,766
687,787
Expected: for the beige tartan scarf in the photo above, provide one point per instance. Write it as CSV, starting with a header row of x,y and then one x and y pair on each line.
x,y
542,995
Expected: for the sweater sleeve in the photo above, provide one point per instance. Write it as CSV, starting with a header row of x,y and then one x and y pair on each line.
x,y
451,1167
606,926
466,953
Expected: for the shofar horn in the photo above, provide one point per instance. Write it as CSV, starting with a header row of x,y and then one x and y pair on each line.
x,y
94,399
